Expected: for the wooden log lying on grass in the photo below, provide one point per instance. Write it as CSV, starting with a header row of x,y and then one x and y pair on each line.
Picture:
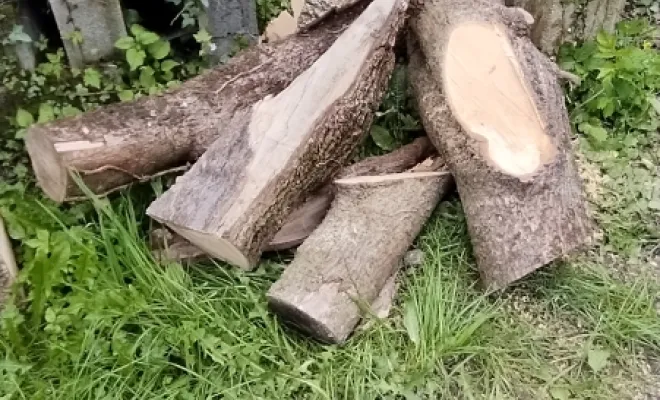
x,y
302,222
8,268
239,193
122,143
346,262
490,102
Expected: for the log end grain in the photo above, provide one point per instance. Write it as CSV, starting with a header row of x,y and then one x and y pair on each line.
x,y
52,175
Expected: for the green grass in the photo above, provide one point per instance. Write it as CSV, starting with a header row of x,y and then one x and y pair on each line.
x,y
121,326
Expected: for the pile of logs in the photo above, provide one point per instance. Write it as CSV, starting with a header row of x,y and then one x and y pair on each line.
x,y
266,142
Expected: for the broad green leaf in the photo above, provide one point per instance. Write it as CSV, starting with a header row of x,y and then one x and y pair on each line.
x,y
654,204
18,35
70,111
411,321
597,359
50,315
125,43
382,137
46,113
147,79
137,29
595,132
92,78
146,38
159,50
126,95
135,58
167,65
24,118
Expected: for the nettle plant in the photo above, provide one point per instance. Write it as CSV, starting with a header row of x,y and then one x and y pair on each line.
x,y
616,105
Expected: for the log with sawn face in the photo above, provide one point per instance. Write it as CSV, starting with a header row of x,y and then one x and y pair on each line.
x,y
239,193
122,143
491,103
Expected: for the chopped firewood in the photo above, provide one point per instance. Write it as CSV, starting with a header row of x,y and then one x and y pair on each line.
x,y
239,193
491,103
346,262
122,143
302,222
8,268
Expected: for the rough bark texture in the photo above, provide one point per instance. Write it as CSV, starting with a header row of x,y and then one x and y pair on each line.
x,y
125,142
229,21
8,268
101,24
516,226
346,262
239,193
315,11
304,220
558,21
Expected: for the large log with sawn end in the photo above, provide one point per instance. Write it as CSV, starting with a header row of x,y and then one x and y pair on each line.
x,y
491,103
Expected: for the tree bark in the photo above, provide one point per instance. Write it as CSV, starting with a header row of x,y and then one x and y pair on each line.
x,y
302,222
239,193
8,268
490,102
558,21
346,262
315,11
123,143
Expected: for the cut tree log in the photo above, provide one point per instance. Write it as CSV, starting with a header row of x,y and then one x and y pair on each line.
x,y
302,222
8,268
123,143
239,193
559,21
490,102
347,261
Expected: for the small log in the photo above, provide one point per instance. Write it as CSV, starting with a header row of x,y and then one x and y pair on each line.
x,y
302,222
346,262
8,268
122,143
239,193
491,103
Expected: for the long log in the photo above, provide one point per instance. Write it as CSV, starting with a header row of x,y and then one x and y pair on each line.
x,y
490,102
8,268
302,222
122,143
346,262
239,193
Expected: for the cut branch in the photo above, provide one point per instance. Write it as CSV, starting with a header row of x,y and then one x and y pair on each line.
x,y
490,102
239,193
302,222
346,262
123,143
8,268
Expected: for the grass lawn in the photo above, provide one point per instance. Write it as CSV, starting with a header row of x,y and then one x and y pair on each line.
x,y
103,320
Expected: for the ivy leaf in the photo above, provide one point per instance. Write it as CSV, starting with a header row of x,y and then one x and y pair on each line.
x,y
135,58
92,78
598,133
125,43
597,359
24,118
167,65
411,322
126,95
202,36
70,111
382,137
159,50
46,113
